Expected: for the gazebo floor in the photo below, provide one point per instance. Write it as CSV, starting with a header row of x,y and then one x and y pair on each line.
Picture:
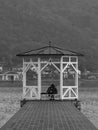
x,y
48,115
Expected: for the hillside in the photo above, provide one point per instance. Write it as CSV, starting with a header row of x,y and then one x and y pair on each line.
x,y
26,24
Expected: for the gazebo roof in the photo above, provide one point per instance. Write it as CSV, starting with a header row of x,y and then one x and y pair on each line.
x,y
49,50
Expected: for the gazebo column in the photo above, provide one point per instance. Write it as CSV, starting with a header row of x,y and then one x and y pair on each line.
x,y
24,78
39,78
76,76
61,78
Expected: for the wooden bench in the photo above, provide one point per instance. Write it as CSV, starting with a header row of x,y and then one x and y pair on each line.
x,y
46,95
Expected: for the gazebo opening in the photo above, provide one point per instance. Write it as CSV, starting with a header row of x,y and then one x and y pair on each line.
x,y
50,74
50,65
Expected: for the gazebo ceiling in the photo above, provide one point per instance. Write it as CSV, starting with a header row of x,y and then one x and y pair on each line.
x,y
49,50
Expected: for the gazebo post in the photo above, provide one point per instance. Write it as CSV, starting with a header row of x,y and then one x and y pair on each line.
x,y
77,75
39,78
61,78
24,78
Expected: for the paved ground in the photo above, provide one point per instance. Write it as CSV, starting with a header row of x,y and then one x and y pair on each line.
x,y
48,115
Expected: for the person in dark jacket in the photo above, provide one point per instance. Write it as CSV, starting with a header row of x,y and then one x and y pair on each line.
x,y
52,91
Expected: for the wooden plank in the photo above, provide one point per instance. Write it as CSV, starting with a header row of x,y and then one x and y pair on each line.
x,y
48,115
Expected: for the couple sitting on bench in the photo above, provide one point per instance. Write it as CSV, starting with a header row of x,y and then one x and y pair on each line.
x,y
52,91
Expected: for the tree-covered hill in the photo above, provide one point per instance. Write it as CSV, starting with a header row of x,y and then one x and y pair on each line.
x,y
71,24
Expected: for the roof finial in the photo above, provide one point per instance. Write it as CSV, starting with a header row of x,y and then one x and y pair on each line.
x,y
49,43
49,47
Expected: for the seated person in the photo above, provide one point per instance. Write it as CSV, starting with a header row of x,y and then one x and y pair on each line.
x,y
51,91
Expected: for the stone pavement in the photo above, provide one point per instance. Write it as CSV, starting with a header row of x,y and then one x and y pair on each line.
x,y
48,115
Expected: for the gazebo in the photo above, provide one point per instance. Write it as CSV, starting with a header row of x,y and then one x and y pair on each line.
x,y
46,65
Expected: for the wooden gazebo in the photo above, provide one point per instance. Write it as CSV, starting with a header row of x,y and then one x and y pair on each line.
x,y
46,65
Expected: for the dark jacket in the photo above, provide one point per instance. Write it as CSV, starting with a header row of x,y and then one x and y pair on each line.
x,y
52,89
